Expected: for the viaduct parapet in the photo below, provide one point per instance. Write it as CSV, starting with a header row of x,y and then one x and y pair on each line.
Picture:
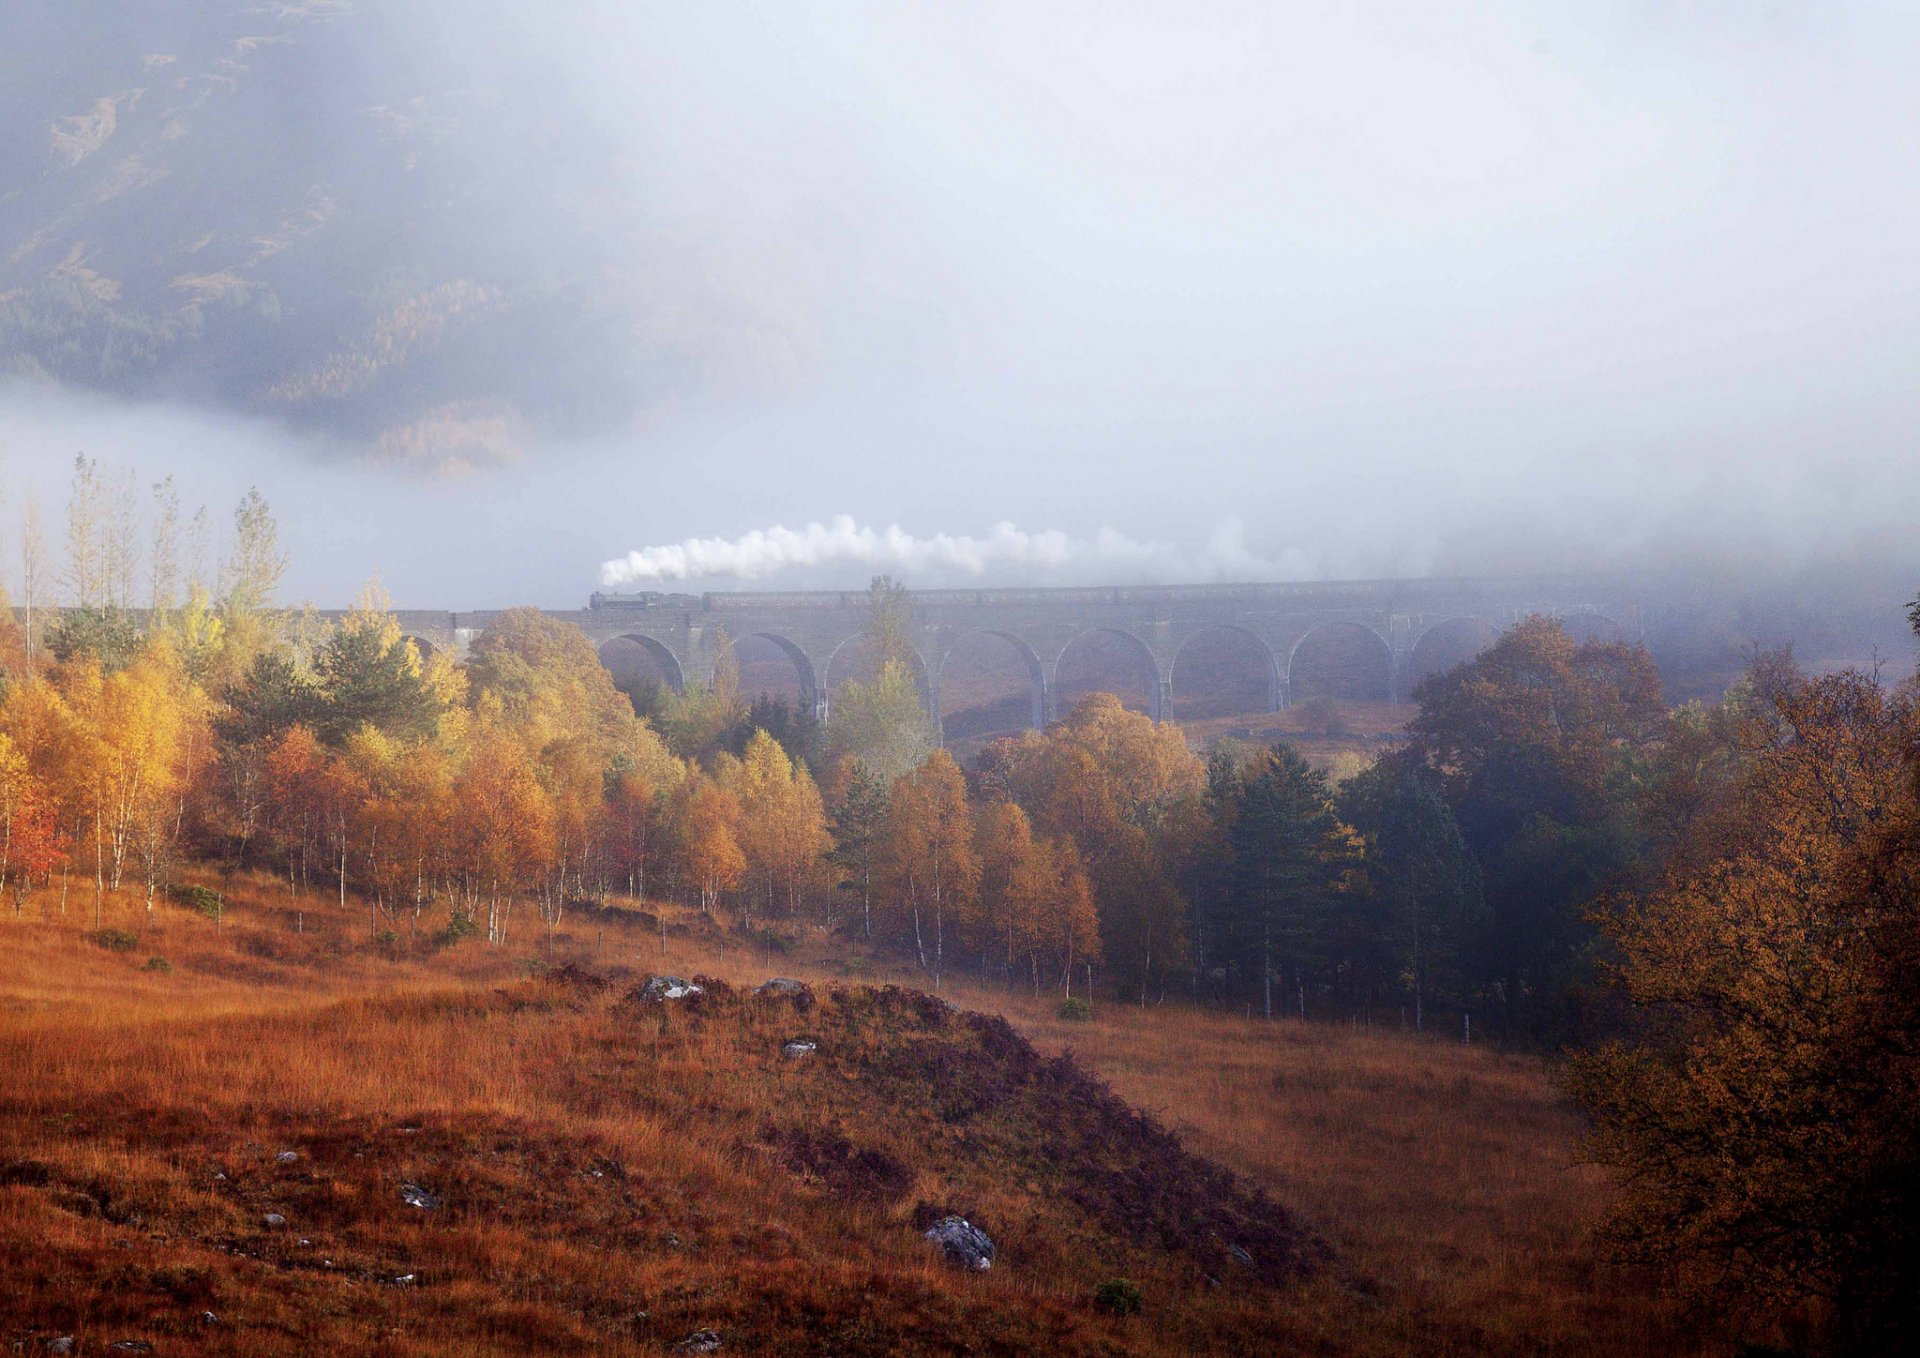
x,y
682,631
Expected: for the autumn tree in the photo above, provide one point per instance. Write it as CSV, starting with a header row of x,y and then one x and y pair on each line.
x,y
1054,896
929,865
640,782
549,681
782,825
1129,793
1525,742
30,839
700,719
1421,884
502,830
250,574
708,820
1005,921
859,823
293,769
883,723
1764,1105
368,674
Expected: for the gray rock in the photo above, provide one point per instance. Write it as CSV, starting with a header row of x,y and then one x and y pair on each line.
x,y
130,1346
1240,1256
963,1243
60,1344
783,985
287,1157
660,988
273,1219
700,1341
801,1046
415,1196
209,1318
400,1280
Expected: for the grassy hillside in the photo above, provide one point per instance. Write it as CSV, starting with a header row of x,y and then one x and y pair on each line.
x,y
621,1175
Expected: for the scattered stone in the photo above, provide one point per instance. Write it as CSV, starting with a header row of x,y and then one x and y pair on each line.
x,y
700,1341
60,1344
963,1243
1240,1256
415,1196
273,1219
287,1157
218,1177
801,1046
783,985
209,1318
660,988
130,1346
400,1280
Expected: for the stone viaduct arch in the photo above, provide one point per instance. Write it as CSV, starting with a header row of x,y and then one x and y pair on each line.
x,y
1042,624
660,654
1274,697
924,678
1446,642
1360,637
1039,693
1155,675
813,693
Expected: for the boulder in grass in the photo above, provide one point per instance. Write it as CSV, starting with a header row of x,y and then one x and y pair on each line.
x,y
801,1046
413,1195
662,988
700,1341
963,1243
799,993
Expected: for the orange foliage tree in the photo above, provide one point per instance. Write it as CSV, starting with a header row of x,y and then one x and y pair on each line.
x,y
1765,1107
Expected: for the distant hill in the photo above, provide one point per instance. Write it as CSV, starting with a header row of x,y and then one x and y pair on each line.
x,y
332,214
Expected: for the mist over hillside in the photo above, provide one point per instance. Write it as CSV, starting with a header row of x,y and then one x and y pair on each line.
x,y
391,224
1535,289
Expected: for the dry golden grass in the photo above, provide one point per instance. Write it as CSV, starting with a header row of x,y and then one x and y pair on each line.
x,y
609,1182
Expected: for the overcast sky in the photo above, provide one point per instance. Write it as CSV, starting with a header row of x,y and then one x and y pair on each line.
x,y
1398,287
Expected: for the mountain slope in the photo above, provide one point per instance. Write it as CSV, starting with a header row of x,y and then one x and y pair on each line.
x,y
395,225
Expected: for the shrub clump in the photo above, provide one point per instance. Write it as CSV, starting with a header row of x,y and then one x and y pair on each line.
x,y
461,926
115,940
158,964
202,900
1076,1010
1118,1296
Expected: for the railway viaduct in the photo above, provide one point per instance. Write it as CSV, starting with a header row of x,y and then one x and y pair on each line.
x,y
681,632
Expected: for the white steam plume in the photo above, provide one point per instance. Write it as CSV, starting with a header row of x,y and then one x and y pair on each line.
x,y
1004,549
